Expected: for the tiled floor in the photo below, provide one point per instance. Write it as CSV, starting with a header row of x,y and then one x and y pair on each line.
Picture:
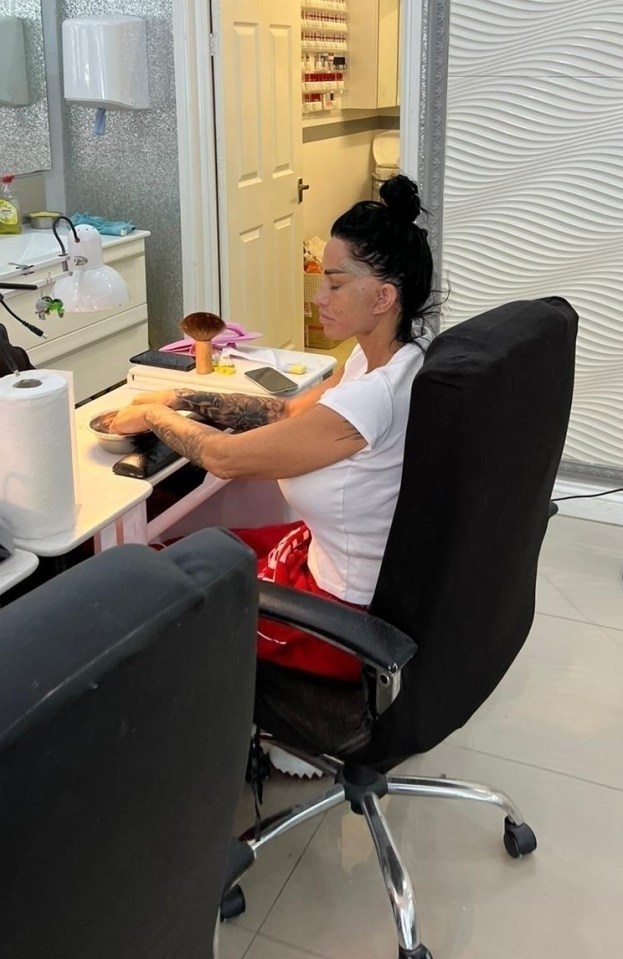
x,y
551,736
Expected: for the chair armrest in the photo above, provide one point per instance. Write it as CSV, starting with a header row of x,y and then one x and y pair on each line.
x,y
383,649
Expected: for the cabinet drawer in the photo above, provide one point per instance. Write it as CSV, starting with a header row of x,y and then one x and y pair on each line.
x,y
131,268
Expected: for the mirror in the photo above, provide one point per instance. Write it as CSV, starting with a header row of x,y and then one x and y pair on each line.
x,y
24,129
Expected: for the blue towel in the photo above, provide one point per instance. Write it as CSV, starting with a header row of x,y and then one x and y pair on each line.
x,y
111,227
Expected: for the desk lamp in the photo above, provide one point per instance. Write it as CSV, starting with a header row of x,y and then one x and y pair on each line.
x,y
86,285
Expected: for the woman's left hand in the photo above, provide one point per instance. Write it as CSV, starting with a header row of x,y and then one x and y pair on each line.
x,y
131,419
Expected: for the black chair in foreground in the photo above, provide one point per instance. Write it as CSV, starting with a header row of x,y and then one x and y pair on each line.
x,y
455,596
126,694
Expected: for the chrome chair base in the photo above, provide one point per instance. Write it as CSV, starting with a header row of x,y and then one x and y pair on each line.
x,y
363,788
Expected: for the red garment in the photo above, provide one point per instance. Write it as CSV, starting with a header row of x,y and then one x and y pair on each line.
x,y
282,558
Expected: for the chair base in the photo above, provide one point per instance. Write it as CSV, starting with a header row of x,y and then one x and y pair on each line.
x,y
363,787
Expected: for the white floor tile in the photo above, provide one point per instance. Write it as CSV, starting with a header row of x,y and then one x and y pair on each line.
x,y
560,706
473,900
233,941
584,562
264,948
551,602
265,880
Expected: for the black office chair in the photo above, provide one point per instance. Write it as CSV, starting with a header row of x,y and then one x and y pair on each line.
x,y
455,596
126,695
12,358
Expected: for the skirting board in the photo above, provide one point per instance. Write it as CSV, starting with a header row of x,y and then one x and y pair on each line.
x,y
601,509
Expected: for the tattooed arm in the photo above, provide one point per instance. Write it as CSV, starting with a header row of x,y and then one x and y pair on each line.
x,y
288,447
238,411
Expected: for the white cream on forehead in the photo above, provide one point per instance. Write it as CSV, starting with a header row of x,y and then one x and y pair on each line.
x,y
356,267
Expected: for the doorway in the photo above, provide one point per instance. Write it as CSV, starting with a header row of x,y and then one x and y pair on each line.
x,y
204,163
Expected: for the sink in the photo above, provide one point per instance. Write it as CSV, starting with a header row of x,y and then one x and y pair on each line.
x,y
33,247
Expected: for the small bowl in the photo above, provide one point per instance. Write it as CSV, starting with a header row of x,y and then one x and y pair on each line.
x,y
43,220
117,442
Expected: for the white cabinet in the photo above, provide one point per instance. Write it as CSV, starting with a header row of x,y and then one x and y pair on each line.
x,y
94,346
373,44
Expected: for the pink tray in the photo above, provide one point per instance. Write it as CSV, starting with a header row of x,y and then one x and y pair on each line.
x,y
231,336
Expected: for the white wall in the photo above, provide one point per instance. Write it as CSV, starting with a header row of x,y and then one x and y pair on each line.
x,y
338,170
533,196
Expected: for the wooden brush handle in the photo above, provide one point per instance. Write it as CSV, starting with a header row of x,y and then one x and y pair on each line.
x,y
203,356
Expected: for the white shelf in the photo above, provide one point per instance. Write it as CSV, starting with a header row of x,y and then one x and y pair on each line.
x,y
344,116
323,39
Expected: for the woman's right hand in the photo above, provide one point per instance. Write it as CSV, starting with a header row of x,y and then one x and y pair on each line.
x,y
159,397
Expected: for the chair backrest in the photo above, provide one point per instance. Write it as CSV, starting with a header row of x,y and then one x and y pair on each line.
x,y
489,413
126,692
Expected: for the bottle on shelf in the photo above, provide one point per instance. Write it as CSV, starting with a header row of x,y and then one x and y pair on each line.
x,y
10,216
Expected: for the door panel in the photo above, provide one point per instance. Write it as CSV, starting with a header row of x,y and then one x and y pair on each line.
x,y
259,158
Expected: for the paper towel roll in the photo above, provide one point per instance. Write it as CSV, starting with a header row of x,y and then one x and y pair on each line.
x,y
37,497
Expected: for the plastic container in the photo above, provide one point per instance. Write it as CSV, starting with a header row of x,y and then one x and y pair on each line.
x,y
10,216
42,219
386,155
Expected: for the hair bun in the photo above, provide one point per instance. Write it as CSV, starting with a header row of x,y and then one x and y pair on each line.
x,y
401,197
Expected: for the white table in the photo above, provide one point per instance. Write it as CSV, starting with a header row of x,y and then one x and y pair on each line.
x,y
112,509
16,568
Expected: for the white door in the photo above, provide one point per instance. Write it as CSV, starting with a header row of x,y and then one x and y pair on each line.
x,y
259,161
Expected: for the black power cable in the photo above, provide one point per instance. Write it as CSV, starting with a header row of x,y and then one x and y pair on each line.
x,y
29,326
606,492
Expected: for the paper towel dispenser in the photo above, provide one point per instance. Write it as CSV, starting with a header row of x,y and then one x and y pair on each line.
x,y
13,81
105,62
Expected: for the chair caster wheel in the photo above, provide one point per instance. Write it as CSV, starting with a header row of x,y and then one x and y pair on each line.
x,y
519,840
233,904
420,953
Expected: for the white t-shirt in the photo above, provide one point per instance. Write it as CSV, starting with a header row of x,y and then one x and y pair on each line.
x,y
349,506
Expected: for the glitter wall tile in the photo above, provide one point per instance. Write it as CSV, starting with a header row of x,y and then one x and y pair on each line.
x,y
24,133
131,172
533,195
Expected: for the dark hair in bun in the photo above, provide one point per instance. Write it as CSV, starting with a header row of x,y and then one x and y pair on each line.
x,y
400,196
384,235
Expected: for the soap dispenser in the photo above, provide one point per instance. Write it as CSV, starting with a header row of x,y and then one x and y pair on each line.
x,y
10,217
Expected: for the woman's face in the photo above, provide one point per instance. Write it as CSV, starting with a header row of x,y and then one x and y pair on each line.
x,y
348,300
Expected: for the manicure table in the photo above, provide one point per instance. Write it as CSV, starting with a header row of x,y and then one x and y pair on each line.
x,y
112,509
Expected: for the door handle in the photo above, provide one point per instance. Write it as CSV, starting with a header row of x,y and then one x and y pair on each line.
x,y
301,188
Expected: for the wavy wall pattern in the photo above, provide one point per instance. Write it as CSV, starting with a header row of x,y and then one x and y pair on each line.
x,y
533,193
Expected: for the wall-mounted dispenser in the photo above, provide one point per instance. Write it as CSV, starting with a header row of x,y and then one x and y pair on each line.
x,y
13,82
105,62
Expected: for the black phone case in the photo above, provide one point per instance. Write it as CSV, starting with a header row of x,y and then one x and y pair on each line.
x,y
167,361
146,462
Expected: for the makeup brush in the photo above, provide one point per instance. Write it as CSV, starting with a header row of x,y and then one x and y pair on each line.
x,y
202,327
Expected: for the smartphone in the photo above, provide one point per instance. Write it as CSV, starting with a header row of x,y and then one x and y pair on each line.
x,y
272,380
146,461
169,361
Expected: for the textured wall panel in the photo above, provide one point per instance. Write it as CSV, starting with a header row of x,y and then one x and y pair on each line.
x,y
536,37
533,194
24,133
132,171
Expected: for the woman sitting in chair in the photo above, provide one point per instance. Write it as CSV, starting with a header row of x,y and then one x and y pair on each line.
x,y
337,449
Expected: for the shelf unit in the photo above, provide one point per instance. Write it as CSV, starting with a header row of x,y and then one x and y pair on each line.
x,y
324,55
